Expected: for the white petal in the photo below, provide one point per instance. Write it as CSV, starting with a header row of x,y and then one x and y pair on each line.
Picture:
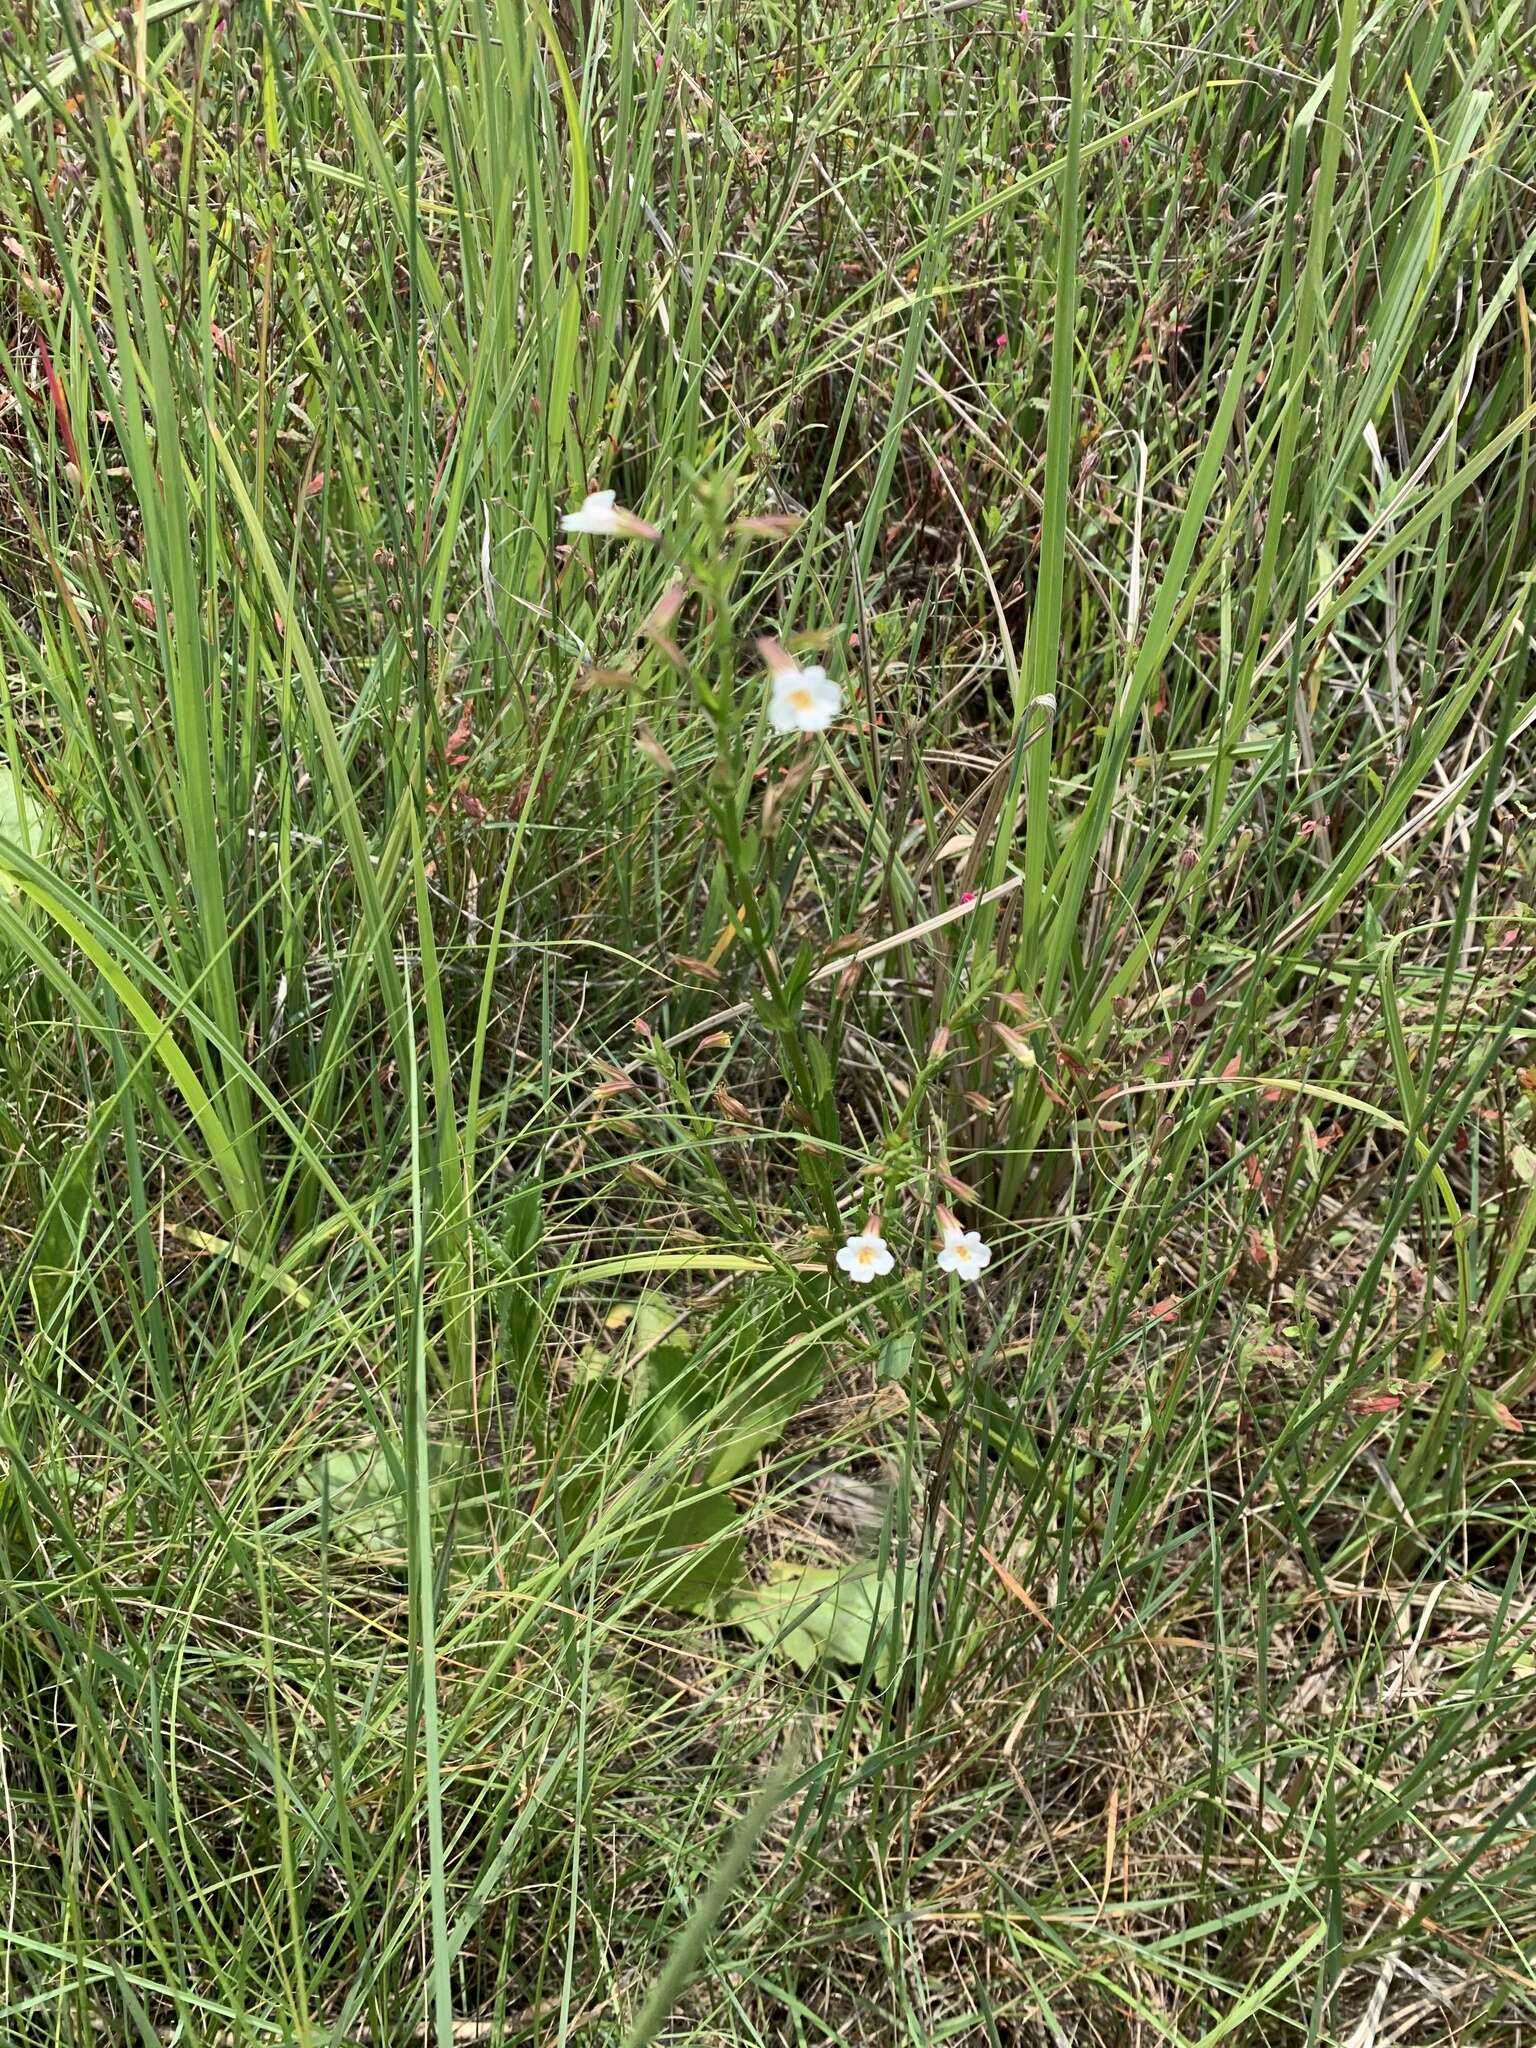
x,y
594,515
824,691
860,1258
803,700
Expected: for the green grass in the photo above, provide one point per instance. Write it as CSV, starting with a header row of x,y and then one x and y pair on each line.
x,y
470,1566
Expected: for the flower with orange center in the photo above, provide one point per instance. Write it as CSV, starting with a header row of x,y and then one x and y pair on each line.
x,y
867,1256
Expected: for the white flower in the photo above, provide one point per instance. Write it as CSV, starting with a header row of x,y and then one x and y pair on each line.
x,y
803,700
866,1257
600,513
964,1253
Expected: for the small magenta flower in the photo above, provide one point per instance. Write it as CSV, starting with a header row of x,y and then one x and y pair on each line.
x,y
599,513
961,1252
867,1256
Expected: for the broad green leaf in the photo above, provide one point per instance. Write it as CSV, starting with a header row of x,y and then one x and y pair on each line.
x,y
23,816
766,1405
810,1612
366,1495
369,1506
670,1394
700,1542
55,1256
24,819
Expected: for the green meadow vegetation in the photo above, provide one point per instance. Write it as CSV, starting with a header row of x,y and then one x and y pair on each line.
x,y
1039,745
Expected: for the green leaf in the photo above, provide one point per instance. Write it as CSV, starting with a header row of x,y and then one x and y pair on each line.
x,y
24,819
773,1013
798,979
366,1494
820,1066
369,1508
692,1418
810,1612
897,1354
701,1542
55,1254
765,1406
671,1394
734,1402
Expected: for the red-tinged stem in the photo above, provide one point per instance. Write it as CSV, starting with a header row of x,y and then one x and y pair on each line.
x,y
60,406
